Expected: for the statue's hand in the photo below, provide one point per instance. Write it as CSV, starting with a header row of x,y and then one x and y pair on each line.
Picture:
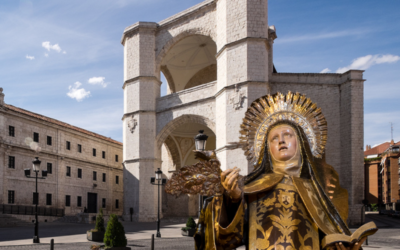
x,y
356,246
229,179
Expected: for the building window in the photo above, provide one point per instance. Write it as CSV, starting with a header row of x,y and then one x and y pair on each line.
x,y
11,131
35,198
35,137
103,203
79,173
49,140
117,204
94,175
48,199
49,168
79,201
79,148
103,154
68,146
68,200
116,158
68,171
11,195
94,152
11,161
116,179
104,177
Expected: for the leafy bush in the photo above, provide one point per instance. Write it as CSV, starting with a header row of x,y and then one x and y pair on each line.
x,y
115,233
100,222
374,207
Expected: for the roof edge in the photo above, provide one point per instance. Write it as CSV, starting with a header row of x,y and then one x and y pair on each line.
x,y
60,123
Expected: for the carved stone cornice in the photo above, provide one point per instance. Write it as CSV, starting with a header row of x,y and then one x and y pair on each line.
x,y
231,44
143,159
137,112
138,78
138,27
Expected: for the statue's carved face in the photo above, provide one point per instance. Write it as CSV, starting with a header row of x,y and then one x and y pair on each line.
x,y
282,142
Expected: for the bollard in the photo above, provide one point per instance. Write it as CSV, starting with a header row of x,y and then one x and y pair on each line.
x,y
152,242
52,244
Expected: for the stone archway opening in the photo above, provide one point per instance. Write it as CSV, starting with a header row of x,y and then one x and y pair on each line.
x,y
177,152
190,63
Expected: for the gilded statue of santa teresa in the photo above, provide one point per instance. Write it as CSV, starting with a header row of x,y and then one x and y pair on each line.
x,y
291,200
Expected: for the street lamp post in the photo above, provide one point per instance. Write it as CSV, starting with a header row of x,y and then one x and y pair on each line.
x,y
158,184
36,169
200,143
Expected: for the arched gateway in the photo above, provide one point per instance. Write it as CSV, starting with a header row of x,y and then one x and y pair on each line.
x,y
218,57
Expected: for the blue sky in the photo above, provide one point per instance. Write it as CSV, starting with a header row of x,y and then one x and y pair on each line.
x,y
53,53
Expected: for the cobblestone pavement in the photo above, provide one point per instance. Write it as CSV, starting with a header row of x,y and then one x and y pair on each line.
x,y
163,243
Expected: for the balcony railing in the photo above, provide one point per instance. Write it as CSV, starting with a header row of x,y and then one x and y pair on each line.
x,y
30,210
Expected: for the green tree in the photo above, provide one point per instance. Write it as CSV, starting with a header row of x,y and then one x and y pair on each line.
x,y
115,233
100,222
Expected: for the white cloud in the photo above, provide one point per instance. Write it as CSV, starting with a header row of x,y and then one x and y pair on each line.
x,y
98,80
30,57
46,55
49,47
326,70
77,93
64,52
367,61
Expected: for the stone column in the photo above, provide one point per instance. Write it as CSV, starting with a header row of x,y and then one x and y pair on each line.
x,y
243,71
352,141
141,88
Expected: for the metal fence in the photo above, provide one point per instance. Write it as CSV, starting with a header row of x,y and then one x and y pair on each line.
x,y
30,210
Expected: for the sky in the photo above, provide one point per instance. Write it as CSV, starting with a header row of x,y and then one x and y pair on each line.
x,y
64,59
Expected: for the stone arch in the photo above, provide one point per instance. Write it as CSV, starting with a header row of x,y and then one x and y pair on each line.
x,y
172,125
178,37
174,152
168,77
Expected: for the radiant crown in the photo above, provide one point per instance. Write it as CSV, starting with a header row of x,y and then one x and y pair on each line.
x,y
268,110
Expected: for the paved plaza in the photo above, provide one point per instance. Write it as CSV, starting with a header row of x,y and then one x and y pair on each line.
x,y
69,236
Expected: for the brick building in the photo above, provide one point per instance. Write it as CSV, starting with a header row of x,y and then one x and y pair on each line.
x,y
217,58
382,170
84,168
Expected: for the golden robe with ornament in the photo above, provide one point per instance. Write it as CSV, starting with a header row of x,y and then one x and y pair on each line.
x,y
278,211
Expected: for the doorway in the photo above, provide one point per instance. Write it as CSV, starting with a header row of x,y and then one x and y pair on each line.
x,y
92,203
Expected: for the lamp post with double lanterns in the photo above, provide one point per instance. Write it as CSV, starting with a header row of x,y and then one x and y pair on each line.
x,y
200,143
160,182
36,168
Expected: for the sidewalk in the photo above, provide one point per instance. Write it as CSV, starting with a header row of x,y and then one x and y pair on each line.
x,y
68,236
76,233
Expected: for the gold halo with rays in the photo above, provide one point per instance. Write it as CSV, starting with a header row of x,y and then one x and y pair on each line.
x,y
268,110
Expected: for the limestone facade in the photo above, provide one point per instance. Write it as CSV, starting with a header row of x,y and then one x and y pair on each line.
x,y
237,34
72,166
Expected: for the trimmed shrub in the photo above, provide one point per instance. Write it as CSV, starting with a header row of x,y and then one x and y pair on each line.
x,y
190,224
100,222
115,233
